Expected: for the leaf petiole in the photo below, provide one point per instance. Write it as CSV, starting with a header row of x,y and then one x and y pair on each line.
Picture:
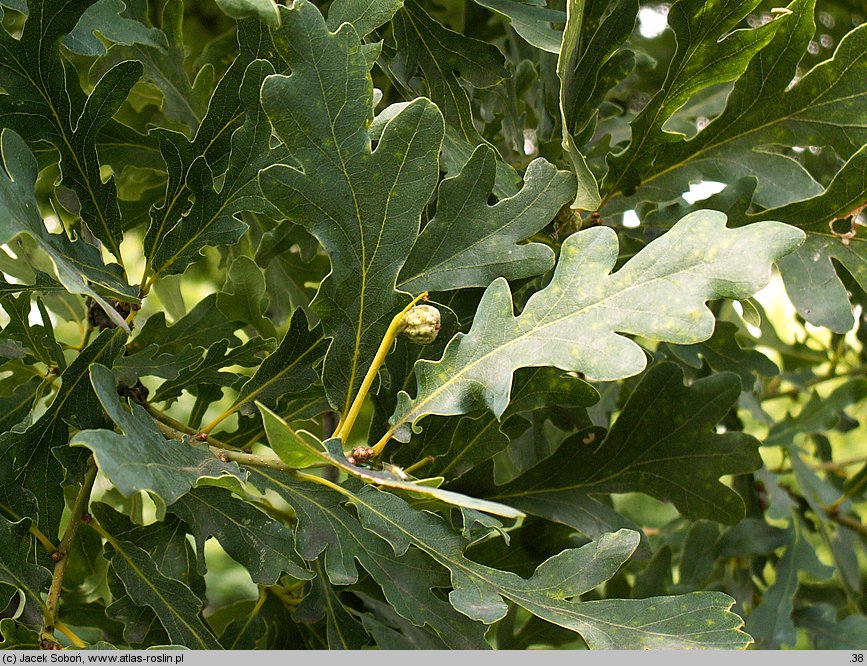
x,y
348,420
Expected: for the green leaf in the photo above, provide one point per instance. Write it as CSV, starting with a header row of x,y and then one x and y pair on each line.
x,y
751,536
244,298
18,637
175,605
164,66
469,243
532,20
723,353
212,219
292,444
343,631
459,445
166,542
151,362
662,444
696,620
288,369
141,458
822,108
809,273
43,104
34,452
207,373
265,10
261,544
446,58
78,265
33,340
572,323
296,448
391,632
15,570
407,581
771,623
364,206
15,407
584,66
104,19
201,327
709,51
364,15
830,633
819,415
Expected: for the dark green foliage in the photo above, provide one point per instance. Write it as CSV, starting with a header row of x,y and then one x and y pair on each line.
x,y
640,423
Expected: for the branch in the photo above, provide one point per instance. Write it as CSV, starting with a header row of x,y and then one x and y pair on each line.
x,y
177,430
61,555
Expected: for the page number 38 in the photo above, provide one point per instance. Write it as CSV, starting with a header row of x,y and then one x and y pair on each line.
x,y
857,658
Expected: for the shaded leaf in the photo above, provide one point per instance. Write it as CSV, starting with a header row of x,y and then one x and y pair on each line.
x,y
818,415
342,628
407,581
15,407
212,218
827,632
751,536
770,623
261,544
29,340
469,243
663,444
821,109
141,458
446,58
78,265
244,298
207,373
175,605
532,20
201,327
699,619
43,104
459,445
15,570
164,66
18,637
288,369
723,353
709,51
104,19
364,15
584,67
34,452
391,632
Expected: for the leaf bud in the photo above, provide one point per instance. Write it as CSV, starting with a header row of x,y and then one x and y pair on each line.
x,y
361,454
421,324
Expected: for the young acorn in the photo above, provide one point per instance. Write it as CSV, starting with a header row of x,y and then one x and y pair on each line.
x,y
421,324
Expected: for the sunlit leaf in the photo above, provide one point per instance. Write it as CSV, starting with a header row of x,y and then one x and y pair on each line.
x,y
573,323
